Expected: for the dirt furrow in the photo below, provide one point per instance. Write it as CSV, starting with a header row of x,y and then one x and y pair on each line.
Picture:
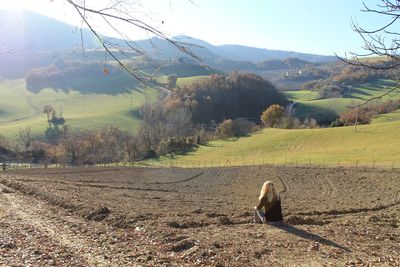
x,y
34,213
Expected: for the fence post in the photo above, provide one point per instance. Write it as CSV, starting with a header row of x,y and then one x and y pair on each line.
x,y
393,165
309,162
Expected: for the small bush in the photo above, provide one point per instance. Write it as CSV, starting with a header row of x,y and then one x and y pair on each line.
x,y
273,115
234,128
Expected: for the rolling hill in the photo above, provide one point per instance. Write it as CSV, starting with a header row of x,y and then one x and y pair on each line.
x,y
20,108
371,145
214,53
308,103
29,35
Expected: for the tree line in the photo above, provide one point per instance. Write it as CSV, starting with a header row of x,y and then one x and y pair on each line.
x,y
237,95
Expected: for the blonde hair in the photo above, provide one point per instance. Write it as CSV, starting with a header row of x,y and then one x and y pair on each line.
x,y
268,190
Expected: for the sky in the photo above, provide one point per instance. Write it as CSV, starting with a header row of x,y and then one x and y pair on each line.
x,y
312,26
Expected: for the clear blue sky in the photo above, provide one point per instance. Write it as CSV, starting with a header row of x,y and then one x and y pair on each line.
x,y
313,26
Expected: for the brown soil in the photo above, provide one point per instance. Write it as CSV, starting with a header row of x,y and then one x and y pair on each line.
x,y
198,217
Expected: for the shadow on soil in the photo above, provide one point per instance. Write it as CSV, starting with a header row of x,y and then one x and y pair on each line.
x,y
310,236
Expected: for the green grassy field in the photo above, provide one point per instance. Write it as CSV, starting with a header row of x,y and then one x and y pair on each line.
x,y
189,80
374,144
371,145
328,109
184,80
392,116
302,95
20,108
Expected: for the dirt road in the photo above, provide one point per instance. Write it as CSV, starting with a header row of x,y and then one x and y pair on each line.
x,y
197,217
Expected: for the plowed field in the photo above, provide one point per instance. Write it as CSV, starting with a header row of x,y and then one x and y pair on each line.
x,y
198,217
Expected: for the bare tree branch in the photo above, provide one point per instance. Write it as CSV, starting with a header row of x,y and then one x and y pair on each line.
x,y
384,42
116,11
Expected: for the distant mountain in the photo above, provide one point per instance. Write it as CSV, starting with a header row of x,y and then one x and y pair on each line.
x,y
259,54
31,32
211,53
36,41
31,40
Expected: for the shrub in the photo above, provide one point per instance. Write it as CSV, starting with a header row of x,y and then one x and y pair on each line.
x,y
225,129
273,116
234,128
364,116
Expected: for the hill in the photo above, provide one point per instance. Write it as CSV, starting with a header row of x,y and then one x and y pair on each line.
x,y
31,32
38,33
212,54
374,144
20,108
83,111
309,103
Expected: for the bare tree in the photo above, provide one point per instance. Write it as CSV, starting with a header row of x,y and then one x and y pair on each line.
x,y
160,125
48,110
4,143
25,137
178,123
131,145
119,12
382,41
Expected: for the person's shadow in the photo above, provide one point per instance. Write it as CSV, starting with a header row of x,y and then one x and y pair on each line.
x,y
310,236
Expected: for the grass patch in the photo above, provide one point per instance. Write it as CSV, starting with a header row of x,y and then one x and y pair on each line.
x,y
189,80
392,116
301,95
326,110
22,108
371,144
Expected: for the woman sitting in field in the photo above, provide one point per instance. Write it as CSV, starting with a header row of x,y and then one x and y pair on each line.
x,y
271,202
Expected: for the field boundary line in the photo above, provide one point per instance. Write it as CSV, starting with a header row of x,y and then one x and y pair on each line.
x,y
180,181
349,211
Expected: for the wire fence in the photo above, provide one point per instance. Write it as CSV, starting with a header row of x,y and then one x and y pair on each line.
x,y
281,162
16,166
230,162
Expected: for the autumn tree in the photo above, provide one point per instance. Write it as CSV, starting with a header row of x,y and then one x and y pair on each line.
x,y
272,116
237,95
